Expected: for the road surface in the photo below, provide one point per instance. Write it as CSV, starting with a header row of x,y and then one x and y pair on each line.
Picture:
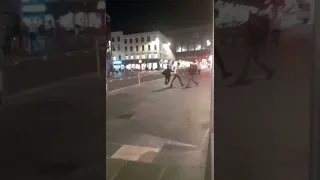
x,y
163,131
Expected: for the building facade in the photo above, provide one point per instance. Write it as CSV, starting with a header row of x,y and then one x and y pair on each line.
x,y
192,44
149,50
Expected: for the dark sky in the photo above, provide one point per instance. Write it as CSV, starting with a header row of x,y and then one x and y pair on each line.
x,y
148,15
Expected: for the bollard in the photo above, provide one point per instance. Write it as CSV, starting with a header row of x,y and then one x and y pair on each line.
x,y
139,82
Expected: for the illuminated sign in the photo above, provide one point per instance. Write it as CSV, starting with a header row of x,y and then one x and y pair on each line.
x,y
117,62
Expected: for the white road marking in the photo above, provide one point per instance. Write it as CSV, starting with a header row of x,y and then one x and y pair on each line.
x,y
136,153
121,89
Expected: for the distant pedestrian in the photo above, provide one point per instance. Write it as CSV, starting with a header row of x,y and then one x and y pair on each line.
x,y
33,33
192,71
167,75
176,74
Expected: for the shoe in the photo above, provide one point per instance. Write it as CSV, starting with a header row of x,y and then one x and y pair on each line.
x,y
171,86
197,84
188,86
182,84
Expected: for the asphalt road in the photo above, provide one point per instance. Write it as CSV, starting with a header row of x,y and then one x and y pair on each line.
x,y
169,125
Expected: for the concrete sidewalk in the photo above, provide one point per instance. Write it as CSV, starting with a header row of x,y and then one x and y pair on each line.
x,y
262,130
159,133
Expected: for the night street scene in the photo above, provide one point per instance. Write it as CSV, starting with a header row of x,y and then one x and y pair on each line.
x,y
158,90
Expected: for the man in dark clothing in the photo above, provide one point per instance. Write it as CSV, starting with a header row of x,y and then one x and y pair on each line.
x,y
218,60
167,75
192,71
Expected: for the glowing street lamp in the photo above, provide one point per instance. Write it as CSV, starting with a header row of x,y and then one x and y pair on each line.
x,y
208,43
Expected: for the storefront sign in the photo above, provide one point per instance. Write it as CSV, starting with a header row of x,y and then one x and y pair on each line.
x,y
117,62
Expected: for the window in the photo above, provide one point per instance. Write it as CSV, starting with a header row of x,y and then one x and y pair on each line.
x,y
191,47
132,57
150,56
114,58
155,55
120,57
149,48
118,47
112,39
155,47
125,41
198,46
142,39
148,38
113,49
130,41
137,48
127,57
138,56
126,49
143,56
131,48
178,47
184,48
118,38
137,40
142,48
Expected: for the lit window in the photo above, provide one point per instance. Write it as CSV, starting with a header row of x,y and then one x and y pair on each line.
x,y
127,57
143,56
114,58
155,55
137,56
150,56
131,57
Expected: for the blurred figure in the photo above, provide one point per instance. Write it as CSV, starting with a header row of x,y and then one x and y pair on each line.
x,y
167,75
176,74
218,60
257,29
192,71
276,24
33,33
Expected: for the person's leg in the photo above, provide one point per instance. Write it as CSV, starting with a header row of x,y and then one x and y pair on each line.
x,y
192,79
261,64
220,64
180,80
174,77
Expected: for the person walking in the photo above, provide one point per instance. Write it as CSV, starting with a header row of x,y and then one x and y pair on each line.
x,y
276,24
192,71
176,74
167,75
218,60
257,34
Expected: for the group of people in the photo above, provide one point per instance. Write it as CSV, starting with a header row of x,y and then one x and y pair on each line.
x,y
256,32
192,71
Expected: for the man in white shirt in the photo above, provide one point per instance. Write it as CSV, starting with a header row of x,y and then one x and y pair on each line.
x,y
176,74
